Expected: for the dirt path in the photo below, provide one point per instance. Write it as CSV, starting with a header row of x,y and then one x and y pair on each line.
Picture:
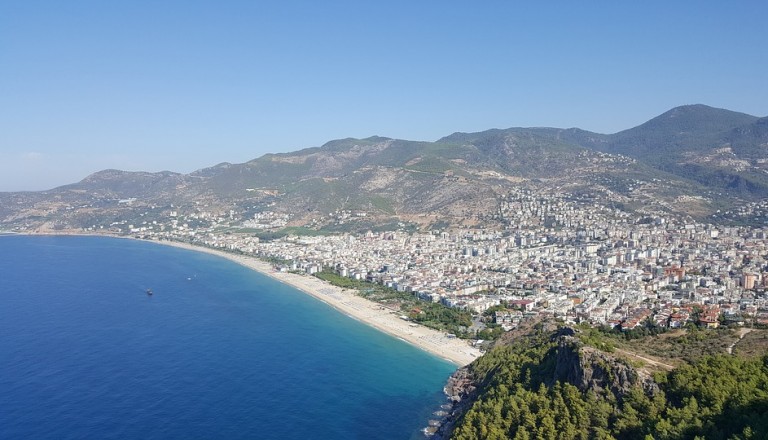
x,y
645,359
742,332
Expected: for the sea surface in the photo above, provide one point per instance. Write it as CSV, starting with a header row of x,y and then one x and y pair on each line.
x,y
216,352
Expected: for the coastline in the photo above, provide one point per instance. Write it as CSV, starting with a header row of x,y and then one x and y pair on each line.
x,y
83,284
453,350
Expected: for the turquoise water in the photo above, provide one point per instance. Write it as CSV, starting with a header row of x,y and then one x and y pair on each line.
x,y
217,352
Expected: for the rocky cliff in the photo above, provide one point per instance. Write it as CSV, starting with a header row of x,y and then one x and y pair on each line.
x,y
590,369
565,360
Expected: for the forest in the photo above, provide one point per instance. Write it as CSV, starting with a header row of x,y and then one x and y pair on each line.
x,y
713,397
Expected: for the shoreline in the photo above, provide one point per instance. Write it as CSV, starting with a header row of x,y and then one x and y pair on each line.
x,y
453,350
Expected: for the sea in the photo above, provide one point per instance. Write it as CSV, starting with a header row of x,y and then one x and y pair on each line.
x,y
217,351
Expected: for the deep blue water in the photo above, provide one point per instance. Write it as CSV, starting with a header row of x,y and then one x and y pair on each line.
x,y
217,352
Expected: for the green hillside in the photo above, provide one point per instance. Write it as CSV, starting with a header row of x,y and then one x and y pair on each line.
x,y
552,386
682,129
711,159
750,141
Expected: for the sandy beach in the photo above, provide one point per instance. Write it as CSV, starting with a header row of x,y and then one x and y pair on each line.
x,y
453,350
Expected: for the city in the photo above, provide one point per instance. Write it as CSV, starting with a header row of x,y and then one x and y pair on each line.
x,y
557,256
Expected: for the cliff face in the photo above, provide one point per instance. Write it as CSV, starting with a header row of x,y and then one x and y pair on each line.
x,y
590,369
566,361
461,392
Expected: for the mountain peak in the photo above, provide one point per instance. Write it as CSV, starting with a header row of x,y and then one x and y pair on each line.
x,y
695,116
688,127
692,108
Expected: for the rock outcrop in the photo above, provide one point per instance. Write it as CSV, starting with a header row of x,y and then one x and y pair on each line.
x,y
590,369
567,361
460,390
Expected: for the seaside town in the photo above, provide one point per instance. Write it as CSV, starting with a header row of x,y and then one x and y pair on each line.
x,y
557,255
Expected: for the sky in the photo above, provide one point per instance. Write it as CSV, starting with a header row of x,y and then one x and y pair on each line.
x,y
183,85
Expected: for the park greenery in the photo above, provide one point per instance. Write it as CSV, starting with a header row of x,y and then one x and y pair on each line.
x,y
429,314
715,397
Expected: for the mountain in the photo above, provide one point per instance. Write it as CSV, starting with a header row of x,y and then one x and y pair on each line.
x,y
690,128
447,179
125,184
717,148
749,141
681,162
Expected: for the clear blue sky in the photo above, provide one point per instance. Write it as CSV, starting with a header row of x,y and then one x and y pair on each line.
x,y
182,85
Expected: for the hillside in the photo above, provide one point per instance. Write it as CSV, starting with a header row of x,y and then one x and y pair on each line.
x,y
549,384
681,130
682,162
717,148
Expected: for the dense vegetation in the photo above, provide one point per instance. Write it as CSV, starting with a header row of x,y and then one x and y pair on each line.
x,y
715,397
440,317
433,315
372,291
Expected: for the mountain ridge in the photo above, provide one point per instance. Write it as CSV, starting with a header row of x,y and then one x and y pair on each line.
x,y
658,166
